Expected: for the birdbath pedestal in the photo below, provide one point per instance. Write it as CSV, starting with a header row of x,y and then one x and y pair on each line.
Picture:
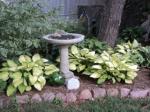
x,y
64,41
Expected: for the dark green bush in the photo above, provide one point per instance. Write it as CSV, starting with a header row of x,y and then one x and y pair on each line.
x,y
23,23
94,45
145,52
131,33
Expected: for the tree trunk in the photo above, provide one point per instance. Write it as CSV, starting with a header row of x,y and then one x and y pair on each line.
x,y
110,21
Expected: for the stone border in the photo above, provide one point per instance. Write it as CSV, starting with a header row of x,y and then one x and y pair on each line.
x,y
72,97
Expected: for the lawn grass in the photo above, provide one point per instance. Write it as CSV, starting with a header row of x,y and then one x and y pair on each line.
x,y
101,105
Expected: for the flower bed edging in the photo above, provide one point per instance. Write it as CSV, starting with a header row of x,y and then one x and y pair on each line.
x,y
72,97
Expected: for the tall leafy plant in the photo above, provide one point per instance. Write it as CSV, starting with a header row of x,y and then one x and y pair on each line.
x,y
22,23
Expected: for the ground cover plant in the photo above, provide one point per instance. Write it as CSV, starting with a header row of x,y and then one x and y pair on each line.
x,y
102,105
26,73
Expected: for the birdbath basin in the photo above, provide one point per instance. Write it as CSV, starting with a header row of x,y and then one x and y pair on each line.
x,y
64,41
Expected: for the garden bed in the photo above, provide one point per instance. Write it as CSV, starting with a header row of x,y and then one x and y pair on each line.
x,y
88,91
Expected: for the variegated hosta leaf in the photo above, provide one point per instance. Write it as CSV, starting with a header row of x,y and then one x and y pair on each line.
x,y
4,76
38,86
36,57
72,66
97,67
37,71
33,79
24,59
42,80
95,75
74,50
11,63
16,75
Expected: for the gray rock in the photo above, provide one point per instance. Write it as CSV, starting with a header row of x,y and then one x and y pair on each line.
x,y
139,94
36,98
48,96
22,99
112,92
71,97
85,94
124,92
99,92
61,96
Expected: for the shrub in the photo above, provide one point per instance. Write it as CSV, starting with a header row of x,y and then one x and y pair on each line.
x,y
94,45
26,73
106,66
23,23
145,52
131,33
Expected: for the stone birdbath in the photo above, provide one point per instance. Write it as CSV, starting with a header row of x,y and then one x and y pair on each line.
x,y
64,40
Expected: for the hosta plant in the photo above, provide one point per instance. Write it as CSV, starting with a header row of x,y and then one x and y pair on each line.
x,y
112,67
106,66
81,58
27,73
130,50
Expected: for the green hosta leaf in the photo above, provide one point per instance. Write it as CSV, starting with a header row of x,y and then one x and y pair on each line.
x,y
99,60
91,55
44,60
28,88
37,71
16,75
48,72
132,75
81,68
72,66
97,67
25,82
5,69
21,88
128,81
38,86
11,63
36,57
17,82
122,76
84,51
95,75
133,67
135,44
42,80
33,79
11,90
109,64
5,64
100,81
24,59
4,76
13,69
87,73
113,80
74,50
